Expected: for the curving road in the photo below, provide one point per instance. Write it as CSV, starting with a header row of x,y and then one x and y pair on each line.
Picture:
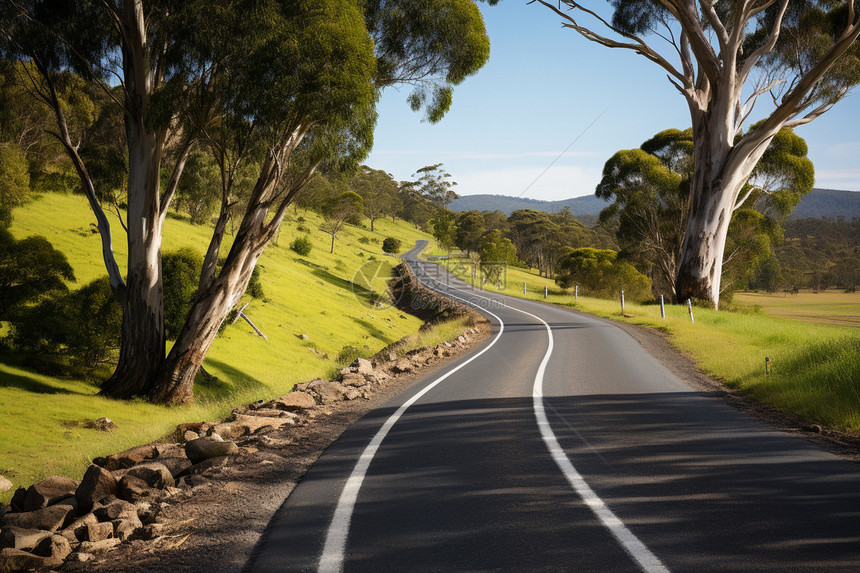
x,y
560,445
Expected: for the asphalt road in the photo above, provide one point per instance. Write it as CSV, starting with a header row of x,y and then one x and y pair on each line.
x,y
560,445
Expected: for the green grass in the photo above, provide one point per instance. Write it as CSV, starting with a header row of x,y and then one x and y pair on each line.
x,y
815,367
323,295
826,307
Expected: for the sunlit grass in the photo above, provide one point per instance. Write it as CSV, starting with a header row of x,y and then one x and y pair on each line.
x,y
324,296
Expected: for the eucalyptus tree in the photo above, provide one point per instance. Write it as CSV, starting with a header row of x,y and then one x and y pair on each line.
x,y
436,185
649,190
376,188
306,83
722,57
151,51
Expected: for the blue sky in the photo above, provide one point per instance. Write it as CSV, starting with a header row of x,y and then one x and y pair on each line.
x,y
545,89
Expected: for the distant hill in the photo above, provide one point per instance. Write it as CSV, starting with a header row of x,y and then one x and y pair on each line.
x,y
828,203
588,205
817,203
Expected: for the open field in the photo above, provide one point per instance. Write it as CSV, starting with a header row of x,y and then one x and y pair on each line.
x,y
815,367
834,307
323,295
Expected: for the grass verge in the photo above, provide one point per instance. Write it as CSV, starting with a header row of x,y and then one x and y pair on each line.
x,y
326,296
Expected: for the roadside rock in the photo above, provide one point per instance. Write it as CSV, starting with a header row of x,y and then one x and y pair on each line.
x,y
206,464
98,483
98,532
17,560
77,530
155,474
403,365
132,488
115,510
98,546
24,539
54,547
326,392
295,401
127,458
49,518
49,491
205,448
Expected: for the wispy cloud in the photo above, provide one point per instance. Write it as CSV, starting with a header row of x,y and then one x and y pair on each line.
x,y
848,179
560,182
490,156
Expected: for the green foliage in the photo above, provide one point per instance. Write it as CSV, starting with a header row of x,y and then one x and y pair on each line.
x,y
255,284
302,245
601,274
470,226
435,185
391,245
348,354
14,181
497,252
181,272
431,45
445,228
29,268
199,191
83,325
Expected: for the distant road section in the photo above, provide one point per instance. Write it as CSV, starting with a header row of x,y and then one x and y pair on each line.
x,y
560,445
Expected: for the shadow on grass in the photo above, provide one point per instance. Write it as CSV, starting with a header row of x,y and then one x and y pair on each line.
x,y
28,384
214,388
373,330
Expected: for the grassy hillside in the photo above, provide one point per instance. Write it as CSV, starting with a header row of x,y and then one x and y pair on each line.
x,y
815,368
323,296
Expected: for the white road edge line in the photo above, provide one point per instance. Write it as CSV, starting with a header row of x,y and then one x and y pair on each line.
x,y
331,560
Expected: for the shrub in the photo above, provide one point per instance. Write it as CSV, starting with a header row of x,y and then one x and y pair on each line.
x,y
84,324
302,246
181,272
364,240
601,274
391,245
347,355
29,268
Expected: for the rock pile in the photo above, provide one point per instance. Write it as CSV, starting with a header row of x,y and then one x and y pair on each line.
x,y
123,496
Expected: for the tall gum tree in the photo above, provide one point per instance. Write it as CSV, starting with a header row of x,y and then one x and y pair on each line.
x,y
307,95
722,57
133,44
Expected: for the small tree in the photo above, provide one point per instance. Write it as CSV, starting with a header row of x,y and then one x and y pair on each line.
x,y
434,183
181,270
497,252
337,212
602,274
391,245
302,246
376,189
14,180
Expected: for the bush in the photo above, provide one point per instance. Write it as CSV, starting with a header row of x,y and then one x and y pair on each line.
x,y
302,246
347,355
29,268
84,324
391,245
601,274
364,240
181,272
